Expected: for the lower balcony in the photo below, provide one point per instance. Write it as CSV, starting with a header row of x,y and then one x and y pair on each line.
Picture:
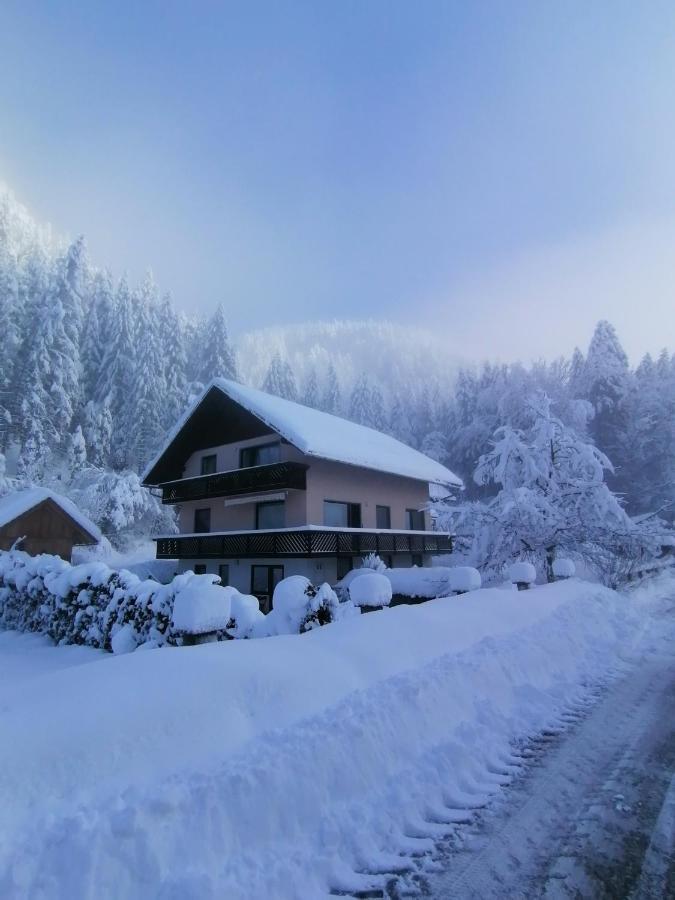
x,y
302,542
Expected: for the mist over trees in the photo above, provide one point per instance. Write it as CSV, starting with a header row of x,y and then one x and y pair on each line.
x,y
95,370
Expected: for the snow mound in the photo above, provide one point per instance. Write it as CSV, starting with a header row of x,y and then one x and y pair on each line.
x,y
522,573
201,606
564,568
370,589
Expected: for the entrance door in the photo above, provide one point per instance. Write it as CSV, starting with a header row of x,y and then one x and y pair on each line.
x,y
263,581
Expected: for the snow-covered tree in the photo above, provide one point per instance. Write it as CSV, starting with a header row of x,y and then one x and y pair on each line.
x,y
216,357
360,402
76,453
310,395
607,387
331,399
280,379
552,499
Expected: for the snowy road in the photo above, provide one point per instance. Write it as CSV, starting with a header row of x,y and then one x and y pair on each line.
x,y
593,815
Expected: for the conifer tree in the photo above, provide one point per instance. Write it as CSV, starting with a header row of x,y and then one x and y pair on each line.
x,y
310,395
280,379
216,359
331,400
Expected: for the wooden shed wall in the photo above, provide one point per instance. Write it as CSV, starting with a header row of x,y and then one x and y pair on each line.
x,y
47,529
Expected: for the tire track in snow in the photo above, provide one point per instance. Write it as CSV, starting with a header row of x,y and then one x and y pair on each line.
x,y
579,823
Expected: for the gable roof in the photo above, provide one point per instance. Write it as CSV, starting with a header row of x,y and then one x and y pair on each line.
x,y
20,502
324,436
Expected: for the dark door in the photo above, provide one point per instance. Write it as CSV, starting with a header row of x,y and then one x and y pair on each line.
x,y
263,581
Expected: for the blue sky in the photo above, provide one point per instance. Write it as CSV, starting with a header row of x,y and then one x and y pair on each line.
x,y
501,172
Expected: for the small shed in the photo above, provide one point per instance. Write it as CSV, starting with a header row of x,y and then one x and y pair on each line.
x,y
47,522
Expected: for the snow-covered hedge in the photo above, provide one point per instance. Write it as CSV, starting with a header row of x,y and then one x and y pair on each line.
x,y
433,581
97,606
86,604
463,579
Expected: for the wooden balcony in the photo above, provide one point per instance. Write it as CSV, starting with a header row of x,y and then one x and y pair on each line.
x,y
302,542
272,477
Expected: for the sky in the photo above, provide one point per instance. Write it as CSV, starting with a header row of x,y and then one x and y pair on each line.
x,y
501,173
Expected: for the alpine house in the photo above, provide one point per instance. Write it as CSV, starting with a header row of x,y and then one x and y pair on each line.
x,y
267,488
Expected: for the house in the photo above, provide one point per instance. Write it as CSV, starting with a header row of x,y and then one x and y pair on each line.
x,y
267,488
47,522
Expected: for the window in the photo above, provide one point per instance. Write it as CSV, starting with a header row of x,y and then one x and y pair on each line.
x,y
383,516
414,519
262,455
200,569
224,574
202,520
263,581
344,565
209,464
341,515
271,514
417,559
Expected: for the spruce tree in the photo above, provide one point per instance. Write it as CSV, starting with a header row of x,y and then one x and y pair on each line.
x,y
331,400
280,379
216,359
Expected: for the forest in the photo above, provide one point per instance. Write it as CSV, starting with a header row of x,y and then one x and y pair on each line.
x,y
94,371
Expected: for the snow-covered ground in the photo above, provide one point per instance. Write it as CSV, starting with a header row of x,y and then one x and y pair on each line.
x,y
283,767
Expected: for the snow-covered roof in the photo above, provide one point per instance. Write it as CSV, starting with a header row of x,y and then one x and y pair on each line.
x,y
19,502
325,436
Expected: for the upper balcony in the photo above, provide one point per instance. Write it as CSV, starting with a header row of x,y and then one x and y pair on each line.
x,y
272,477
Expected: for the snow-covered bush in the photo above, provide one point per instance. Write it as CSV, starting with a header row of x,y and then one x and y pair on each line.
x,y
373,561
371,589
298,606
202,607
245,614
564,568
463,579
523,574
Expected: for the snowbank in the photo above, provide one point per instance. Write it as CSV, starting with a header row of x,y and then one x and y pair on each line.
x,y
279,768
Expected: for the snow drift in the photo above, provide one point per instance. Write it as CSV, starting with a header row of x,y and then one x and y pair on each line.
x,y
279,768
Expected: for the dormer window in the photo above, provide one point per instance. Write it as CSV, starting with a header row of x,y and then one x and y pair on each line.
x,y
260,455
209,464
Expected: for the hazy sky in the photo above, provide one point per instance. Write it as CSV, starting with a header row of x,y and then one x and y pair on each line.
x,y
503,172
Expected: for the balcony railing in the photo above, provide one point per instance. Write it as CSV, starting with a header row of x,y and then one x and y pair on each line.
x,y
272,477
303,542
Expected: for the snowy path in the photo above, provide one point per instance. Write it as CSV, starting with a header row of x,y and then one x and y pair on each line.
x,y
594,814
